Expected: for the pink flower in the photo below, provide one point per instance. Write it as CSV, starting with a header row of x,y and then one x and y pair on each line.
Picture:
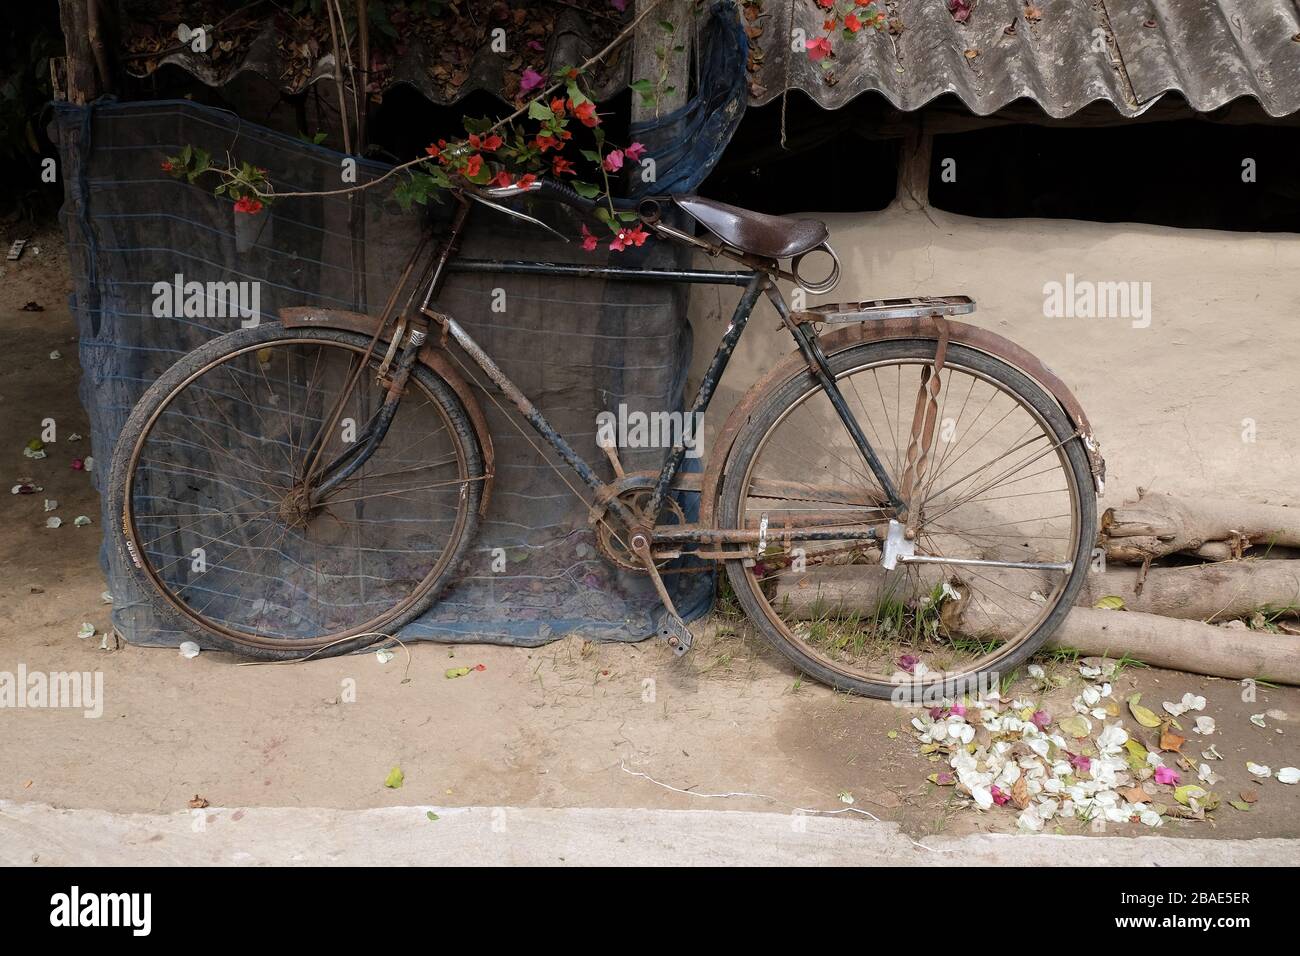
x,y
588,240
619,5
613,161
1080,762
959,710
530,80
908,663
1166,775
635,152
818,48
1041,719
636,236
1000,798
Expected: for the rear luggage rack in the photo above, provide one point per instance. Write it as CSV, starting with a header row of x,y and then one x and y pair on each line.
x,y
909,308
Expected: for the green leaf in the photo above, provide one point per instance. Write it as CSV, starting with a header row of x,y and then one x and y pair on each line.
x,y
394,779
591,154
643,86
629,216
575,93
668,26
431,815
453,672
1111,602
539,111
586,190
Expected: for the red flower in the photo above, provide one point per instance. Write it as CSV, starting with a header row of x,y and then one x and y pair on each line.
x,y
485,143
472,166
613,161
586,112
167,166
557,106
560,166
544,143
526,180
249,205
818,48
588,240
433,150
852,23
501,179
636,236
829,24
826,4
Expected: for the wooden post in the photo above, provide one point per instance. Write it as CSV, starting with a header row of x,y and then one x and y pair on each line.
x,y
914,167
82,79
655,58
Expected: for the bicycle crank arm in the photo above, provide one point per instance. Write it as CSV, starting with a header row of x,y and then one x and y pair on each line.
x,y
673,629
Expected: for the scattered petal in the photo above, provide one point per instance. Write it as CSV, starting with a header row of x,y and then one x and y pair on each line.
x,y
1288,775
1204,726
1258,769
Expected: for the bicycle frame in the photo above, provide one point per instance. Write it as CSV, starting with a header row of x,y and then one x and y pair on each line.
x,y
755,282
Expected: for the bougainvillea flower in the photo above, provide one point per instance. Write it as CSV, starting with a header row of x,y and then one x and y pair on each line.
x,y
486,143
908,663
1000,798
1166,775
588,240
825,4
619,5
536,45
557,106
249,205
167,166
586,113
1041,719
543,142
501,179
852,23
635,152
1080,762
473,165
613,161
829,24
526,180
818,48
636,236
560,166
530,80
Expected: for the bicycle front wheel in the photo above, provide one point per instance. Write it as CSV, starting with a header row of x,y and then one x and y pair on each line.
x,y
1007,520
209,477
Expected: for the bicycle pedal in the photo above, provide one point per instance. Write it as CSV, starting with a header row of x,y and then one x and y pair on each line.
x,y
674,630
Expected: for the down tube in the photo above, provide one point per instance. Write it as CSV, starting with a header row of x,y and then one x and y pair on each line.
x,y
709,383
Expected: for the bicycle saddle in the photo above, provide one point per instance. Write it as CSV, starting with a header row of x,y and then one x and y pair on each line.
x,y
772,237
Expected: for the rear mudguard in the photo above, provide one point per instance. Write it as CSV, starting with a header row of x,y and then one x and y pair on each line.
x,y
431,356
885,330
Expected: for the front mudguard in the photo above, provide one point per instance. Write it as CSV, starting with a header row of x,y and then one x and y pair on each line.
x,y
885,330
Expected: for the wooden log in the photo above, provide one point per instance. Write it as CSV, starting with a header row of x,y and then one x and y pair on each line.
x,y
81,74
1208,592
1237,653
1154,639
1156,525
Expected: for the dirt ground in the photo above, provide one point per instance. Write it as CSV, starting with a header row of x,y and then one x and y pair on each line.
x,y
573,724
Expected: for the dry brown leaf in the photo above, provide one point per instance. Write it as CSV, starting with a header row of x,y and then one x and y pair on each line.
x,y
1135,795
1032,13
971,54
1250,796
1170,740
198,803
1020,793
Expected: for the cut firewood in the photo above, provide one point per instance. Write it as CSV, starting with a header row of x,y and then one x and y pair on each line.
x,y
1237,653
1208,592
1205,592
1155,639
1156,525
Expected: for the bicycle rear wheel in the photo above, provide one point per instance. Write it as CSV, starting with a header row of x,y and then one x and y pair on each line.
x,y
208,477
1007,523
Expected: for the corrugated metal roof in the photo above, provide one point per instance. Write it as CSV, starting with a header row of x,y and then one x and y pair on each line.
x,y
293,53
1127,52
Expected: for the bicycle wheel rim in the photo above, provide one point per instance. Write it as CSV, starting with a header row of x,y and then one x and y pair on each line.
x,y
1018,392
419,396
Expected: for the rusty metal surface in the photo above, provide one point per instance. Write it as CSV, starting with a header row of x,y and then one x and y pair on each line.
x,y
1126,52
882,331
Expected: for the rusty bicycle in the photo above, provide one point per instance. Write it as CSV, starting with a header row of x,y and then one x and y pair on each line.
x,y
903,498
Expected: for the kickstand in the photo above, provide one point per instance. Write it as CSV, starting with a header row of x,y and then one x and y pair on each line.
x,y
672,629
